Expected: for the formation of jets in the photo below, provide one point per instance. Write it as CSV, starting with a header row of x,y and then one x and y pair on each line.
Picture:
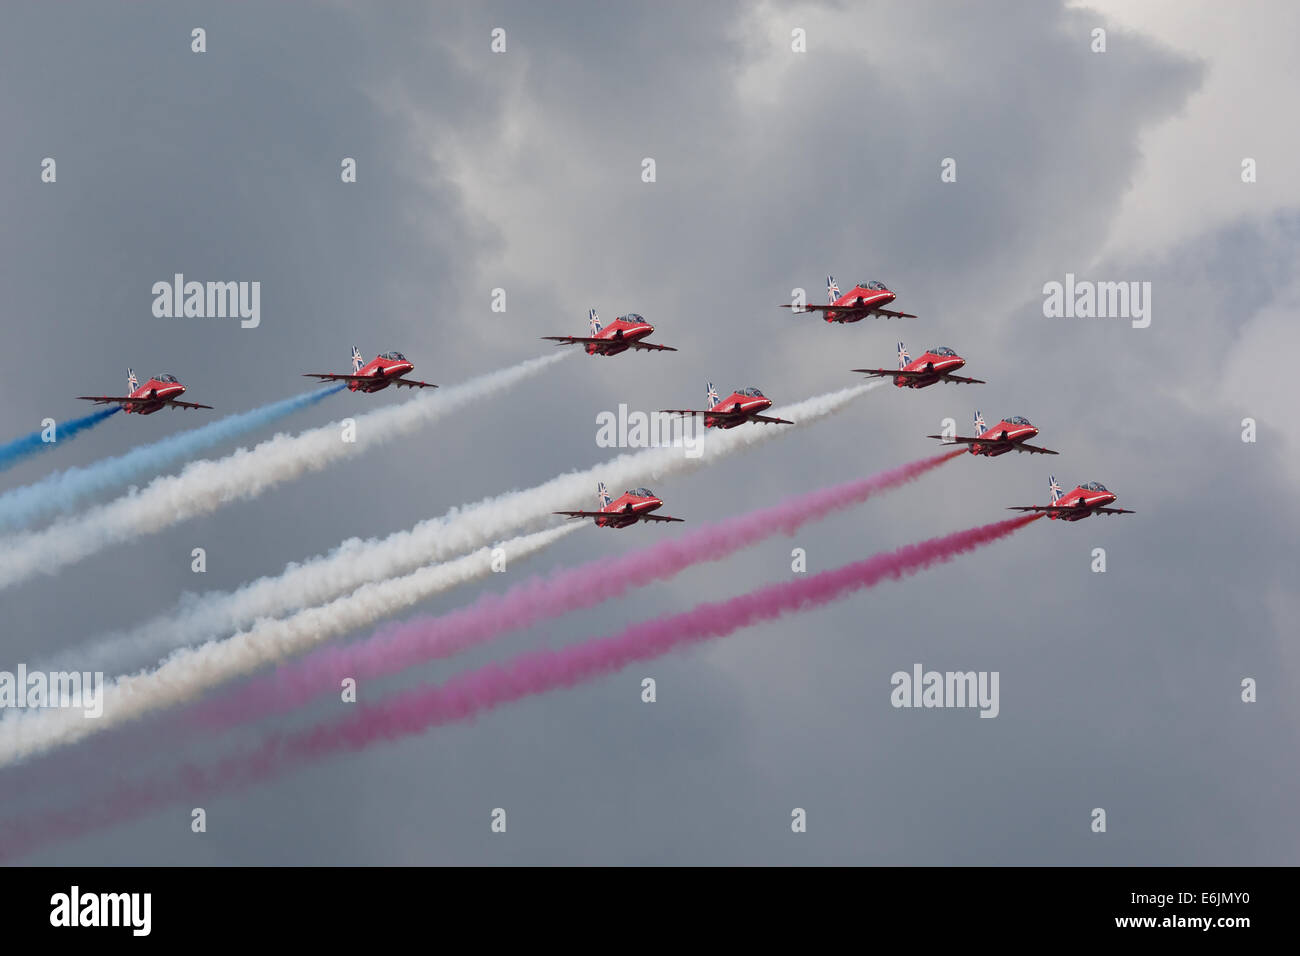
x,y
743,406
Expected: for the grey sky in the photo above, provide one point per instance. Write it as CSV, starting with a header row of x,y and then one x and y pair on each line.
x,y
522,171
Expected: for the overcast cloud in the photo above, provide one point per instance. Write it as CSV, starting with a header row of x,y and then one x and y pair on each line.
x,y
522,171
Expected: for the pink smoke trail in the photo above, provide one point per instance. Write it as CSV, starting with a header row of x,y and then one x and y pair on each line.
x,y
540,597
469,694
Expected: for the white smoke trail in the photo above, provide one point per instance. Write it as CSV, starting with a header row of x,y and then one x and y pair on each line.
x,y
204,486
189,671
356,562
64,490
352,565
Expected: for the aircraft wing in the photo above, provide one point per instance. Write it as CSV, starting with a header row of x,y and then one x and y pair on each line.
x,y
882,372
719,413
338,377
851,310
659,518
176,404
1035,450
1045,509
584,514
962,379
650,346
411,383
1114,511
957,439
581,340
105,399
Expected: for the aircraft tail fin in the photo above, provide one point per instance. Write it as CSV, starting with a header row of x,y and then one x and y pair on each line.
x,y
602,493
595,322
357,361
980,427
903,357
1054,489
832,290
713,396
132,383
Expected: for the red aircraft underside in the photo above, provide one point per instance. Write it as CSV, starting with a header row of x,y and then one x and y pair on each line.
x,y
1089,499
736,409
627,509
1007,435
625,332
933,366
161,392
863,300
377,374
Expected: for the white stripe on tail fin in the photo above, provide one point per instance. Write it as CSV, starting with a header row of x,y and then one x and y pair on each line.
x,y
903,357
602,494
713,396
357,360
132,383
832,290
1054,489
595,322
980,427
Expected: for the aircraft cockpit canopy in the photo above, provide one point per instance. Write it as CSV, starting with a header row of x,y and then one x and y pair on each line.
x,y
641,493
941,350
873,285
1018,420
751,392
1094,486
633,318
169,379
394,356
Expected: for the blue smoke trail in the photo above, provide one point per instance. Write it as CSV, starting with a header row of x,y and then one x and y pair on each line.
x,y
62,490
21,448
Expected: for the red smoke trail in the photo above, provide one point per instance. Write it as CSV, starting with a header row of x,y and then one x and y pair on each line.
x,y
474,692
541,597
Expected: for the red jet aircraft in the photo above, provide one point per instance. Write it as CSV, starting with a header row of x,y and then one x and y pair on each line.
x,y
736,409
625,332
935,365
864,299
629,508
1088,499
1010,434
377,374
162,390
